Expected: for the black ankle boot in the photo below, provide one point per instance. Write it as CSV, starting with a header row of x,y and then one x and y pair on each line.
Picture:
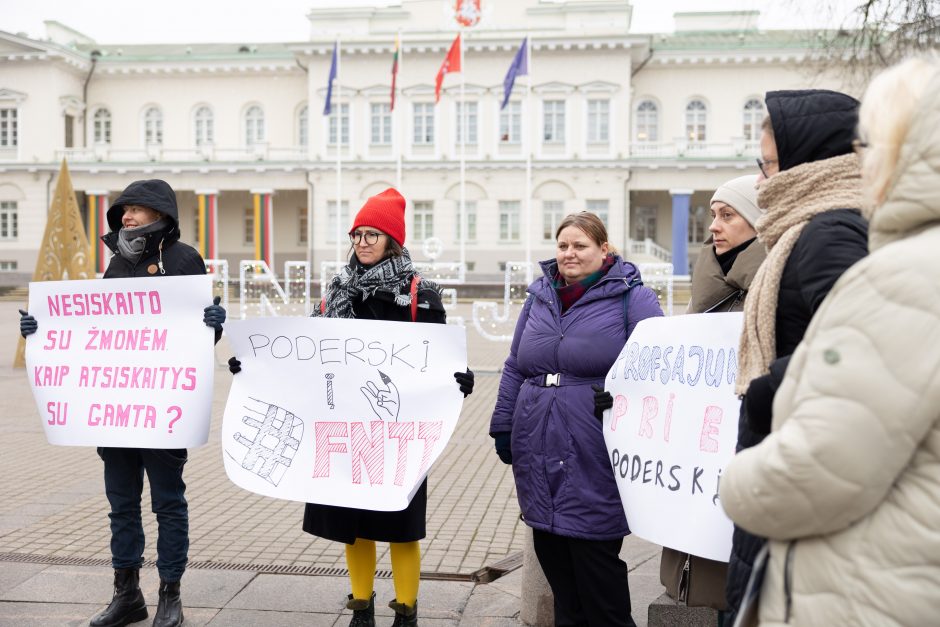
x,y
170,607
127,605
363,611
405,615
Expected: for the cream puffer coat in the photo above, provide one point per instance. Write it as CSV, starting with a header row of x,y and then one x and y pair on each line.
x,y
847,487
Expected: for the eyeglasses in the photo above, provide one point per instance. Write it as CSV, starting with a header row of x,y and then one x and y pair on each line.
x,y
369,237
761,163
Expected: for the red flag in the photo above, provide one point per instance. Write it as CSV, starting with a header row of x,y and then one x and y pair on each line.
x,y
451,64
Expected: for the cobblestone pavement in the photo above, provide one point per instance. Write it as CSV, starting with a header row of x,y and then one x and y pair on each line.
x,y
52,500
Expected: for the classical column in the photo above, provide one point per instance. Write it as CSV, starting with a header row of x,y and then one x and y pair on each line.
x,y
264,226
207,204
680,230
98,226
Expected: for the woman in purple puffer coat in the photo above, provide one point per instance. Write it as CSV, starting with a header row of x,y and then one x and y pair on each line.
x,y
577,318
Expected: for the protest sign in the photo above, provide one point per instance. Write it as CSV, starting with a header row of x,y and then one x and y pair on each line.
x,y
122,362
673,427
338,411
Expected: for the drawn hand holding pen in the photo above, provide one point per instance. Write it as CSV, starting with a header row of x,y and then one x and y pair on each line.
x,y
384,402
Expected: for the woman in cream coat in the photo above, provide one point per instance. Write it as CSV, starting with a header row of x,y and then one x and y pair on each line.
x,y
847,487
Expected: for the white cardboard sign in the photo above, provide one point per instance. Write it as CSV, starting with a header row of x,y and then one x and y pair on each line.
x,y
673,427
122,362
340,412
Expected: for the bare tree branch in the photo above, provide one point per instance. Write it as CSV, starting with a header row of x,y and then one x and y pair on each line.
x,y
879,33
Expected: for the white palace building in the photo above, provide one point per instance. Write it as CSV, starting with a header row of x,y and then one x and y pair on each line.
x,y
637,128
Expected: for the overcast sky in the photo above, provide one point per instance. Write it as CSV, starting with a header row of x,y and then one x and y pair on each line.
x,y
206,21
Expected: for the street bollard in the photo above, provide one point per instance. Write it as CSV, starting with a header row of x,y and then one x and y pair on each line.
x,y
538,604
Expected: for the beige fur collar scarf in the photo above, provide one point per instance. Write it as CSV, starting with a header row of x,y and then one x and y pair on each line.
x,y
792,198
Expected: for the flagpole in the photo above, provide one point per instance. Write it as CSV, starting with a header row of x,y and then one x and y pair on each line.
x,y
528,152
463,142
339,153
395,123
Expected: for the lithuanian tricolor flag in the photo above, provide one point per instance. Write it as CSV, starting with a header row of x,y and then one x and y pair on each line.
x,y
264,227
98,226
395,68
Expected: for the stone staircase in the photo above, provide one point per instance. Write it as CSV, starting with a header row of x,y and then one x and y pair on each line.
x,y
14,294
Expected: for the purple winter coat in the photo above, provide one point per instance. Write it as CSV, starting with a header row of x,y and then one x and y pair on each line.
x,y
563,475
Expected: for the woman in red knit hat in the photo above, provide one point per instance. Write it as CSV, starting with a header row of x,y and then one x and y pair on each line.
x,y
380,283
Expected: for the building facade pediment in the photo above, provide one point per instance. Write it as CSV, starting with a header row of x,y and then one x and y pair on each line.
x,y
554,87
422,89
11,95
599,87
71,105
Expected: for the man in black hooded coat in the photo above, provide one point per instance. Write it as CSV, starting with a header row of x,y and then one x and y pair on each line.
x,y
159,254
144,238
805,126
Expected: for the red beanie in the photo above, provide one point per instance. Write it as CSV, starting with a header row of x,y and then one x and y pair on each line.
x,y
385,212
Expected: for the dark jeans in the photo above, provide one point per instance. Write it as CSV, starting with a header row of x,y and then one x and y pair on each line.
x,y
124,482
588,580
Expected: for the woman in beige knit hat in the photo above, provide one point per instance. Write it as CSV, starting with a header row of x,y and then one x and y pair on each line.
x,y
726,265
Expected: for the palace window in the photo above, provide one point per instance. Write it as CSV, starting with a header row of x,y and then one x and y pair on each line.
x,y
424,220
470,208
696,117
471,122
339,114
8,128
554,121
331,221
381,124
153,126
509,220
600,208
598,121
9,220
647,122
510,123
203,126
254,126
423,123
553,212
753,116
303,127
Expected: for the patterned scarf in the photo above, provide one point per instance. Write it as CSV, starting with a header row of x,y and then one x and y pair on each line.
x,y
791,198
359,282
569,294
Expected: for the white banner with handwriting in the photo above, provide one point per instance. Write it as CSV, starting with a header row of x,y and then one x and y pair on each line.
x,y
122,362
673,427
340,412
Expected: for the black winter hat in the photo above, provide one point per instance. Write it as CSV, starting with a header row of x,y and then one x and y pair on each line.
x,y
811,124
154,194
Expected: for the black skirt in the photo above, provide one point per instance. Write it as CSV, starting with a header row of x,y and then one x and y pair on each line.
x,y
345,524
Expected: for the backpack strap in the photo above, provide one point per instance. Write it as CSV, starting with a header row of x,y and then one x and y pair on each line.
x,y
626,300
414,297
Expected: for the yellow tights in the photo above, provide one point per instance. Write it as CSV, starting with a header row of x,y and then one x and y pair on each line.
x,y
406,569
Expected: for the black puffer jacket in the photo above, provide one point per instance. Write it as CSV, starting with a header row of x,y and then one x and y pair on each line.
x,y
809,125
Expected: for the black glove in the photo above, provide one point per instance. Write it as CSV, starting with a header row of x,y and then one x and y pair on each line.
x,y
234,366
504,446
214,315
28,326
465,381
602,400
